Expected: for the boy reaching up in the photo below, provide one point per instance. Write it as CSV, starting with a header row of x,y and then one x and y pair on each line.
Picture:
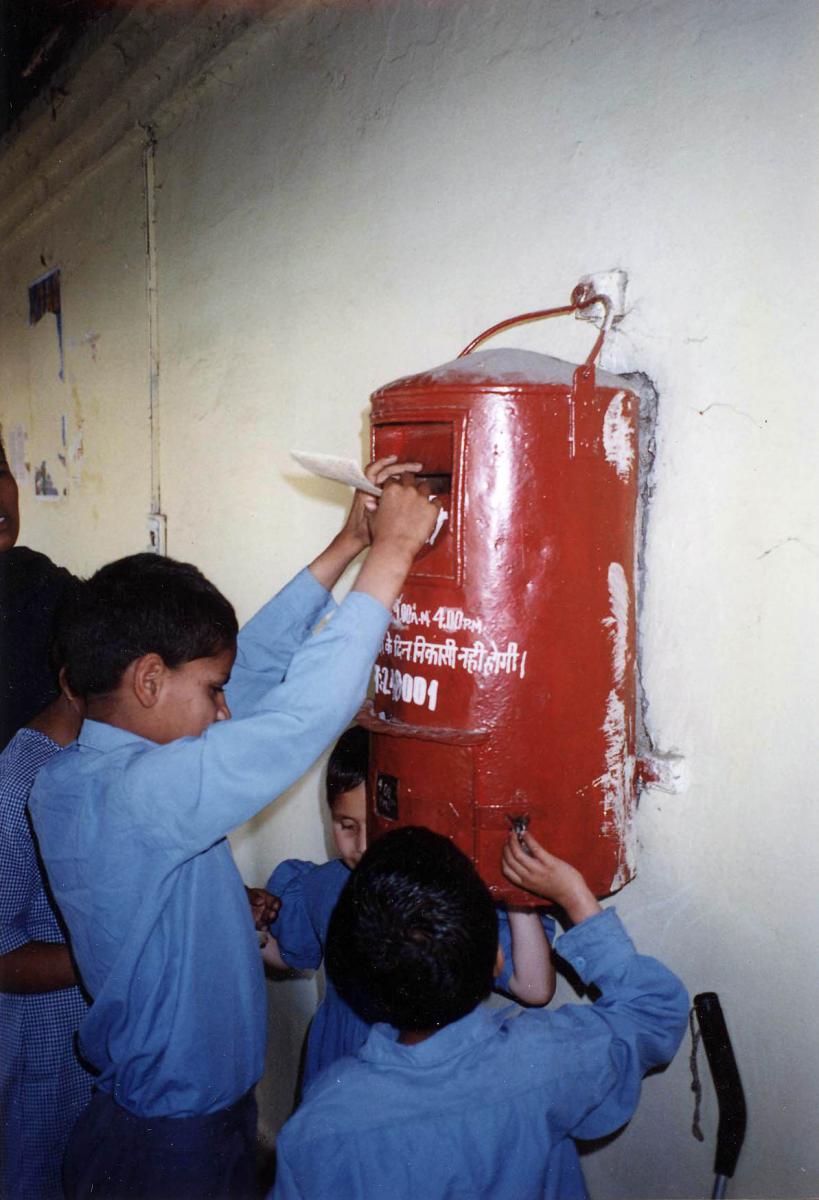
x,y
132,822
448,1097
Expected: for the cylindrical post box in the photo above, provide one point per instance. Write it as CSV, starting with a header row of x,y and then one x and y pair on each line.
x,y
505,686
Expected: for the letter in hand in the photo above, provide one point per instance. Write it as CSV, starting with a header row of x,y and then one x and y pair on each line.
x,y
263,905
530,866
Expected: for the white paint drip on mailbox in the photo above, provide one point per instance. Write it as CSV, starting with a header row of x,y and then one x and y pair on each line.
x,y
617,781
616,784
618,442
618,621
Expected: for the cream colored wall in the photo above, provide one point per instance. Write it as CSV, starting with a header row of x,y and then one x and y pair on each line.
x,y
351,194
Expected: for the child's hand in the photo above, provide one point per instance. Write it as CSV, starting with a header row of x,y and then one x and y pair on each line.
x,y
357,526
264,906
531,867
405,516
357,531
402,522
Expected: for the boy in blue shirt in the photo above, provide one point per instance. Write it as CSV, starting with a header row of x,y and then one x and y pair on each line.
x,y
309,892
448,1097
132,822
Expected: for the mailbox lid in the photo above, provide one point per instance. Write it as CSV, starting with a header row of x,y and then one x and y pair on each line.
x,y
499,368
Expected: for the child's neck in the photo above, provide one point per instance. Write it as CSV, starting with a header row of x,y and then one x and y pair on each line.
x,y
411,1037
110,714
60,721
120,709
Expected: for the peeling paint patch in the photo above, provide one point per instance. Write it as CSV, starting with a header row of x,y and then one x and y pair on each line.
x,y
44,486
16,450
618,621
618,437
617,783
90,340
76,454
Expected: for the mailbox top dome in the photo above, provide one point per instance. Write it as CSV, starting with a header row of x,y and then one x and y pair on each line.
x,y
501,367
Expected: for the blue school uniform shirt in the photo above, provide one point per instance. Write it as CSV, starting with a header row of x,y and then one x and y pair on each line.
x,y
133,838
488,1106
309,892
43,1085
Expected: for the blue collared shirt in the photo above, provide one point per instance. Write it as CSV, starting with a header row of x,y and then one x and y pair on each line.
x,y
133,838
309,892
488,1106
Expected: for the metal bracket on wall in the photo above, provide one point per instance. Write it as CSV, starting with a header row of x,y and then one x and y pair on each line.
x,y
668,772
157,526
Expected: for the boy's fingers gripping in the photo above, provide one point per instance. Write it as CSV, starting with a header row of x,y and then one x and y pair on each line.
x,y
534,847
382,469
519,847
373,469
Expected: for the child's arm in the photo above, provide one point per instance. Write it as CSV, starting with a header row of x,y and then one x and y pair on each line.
x,y
27,965
272,956
37,967
402,523
533,977
637,1022
293,925
356,535
269,640
237,767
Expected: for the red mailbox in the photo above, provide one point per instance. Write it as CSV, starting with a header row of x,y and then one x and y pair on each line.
x,y
505,686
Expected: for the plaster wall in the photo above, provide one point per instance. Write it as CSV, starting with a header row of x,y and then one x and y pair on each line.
x,y
348,195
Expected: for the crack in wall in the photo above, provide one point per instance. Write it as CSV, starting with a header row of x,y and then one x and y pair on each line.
x,y
785,542
732,407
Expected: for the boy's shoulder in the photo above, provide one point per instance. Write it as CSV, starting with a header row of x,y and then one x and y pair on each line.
x,y
23,758
75,772
341,1094
388,1086
101,747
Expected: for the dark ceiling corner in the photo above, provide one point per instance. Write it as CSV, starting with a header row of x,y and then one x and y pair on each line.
x,y
36,38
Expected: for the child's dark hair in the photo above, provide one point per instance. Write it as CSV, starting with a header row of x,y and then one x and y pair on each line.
x,y
137,605
59,624
347,766
414,937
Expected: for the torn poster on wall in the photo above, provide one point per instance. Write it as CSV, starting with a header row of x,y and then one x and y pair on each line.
x,y
44,297
44,486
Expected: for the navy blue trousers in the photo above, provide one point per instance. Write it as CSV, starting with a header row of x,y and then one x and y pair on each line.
x,y
114,1155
